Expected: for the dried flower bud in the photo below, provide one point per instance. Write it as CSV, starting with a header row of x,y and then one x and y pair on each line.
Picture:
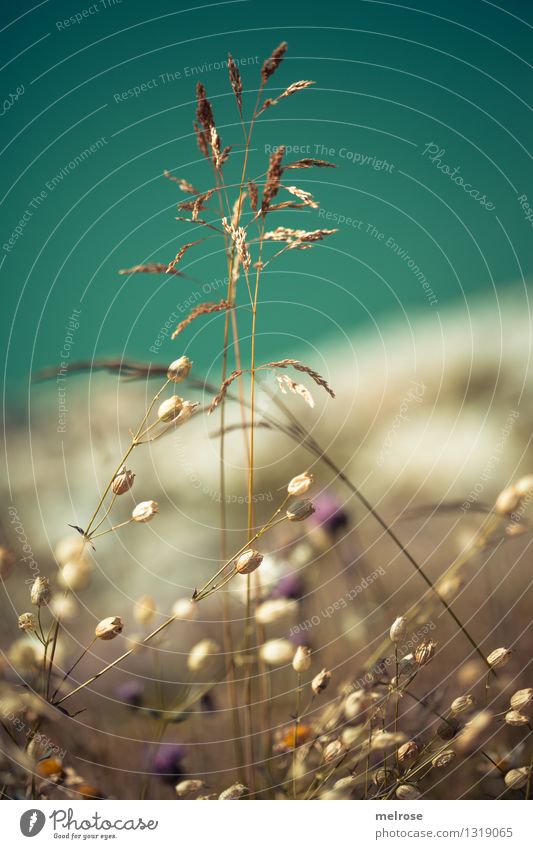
x,y
248,561
187,409
507,502
524,486
522,699
189,788
236,791
27,622
499,657
514,717
300,510
302,659
144,511
407,792
424,652
277,652
170,409
443,758
333,750
398,631
461,704
517,778
275,608
109,628
383,776
40,591
320,682
123,481
179,369
184,608
144,610
7,561
201,655
300,484
408,752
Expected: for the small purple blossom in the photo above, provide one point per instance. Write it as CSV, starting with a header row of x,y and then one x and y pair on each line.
x,y
330,513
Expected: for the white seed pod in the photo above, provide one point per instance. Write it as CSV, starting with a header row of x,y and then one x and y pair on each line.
x,y
320,682
514,717
248,561
424,652
187,409
236,791
7,561
40,591
202,654
443,758
300,510
277,652
499,657
300,484
386,739
524,486
170,409
75,575
123,481
408,792
333,750
27,622
522,699
189,789
184,608
302,659
507,502
179,369
109,628
274,609
461,703
517,778
144,511
144,610
408,752
398,631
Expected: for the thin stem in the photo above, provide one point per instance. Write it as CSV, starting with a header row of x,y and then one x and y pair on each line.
x,y
69,671
296,728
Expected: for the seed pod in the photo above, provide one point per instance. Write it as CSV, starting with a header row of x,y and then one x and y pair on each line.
x,y
236,791
123,481
40,592
109,628
384,775
507,502
517,778
275,608
187,409
398,631
320,682
201,655
189,788
277,652
499,657
443,758
514,717
27,622
524,486
424,652
522,699
408,752
170,409
300,510
184,608
333,750
179,369
7,561
300,484
248,561
302,659
407,792
144,511
461,703
144,610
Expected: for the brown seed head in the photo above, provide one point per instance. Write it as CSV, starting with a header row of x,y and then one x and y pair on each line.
x,y
123,481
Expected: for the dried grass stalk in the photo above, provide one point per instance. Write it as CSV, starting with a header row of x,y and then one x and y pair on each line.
x,y
285,382
273,62
296,237
223,390
238,237
149,268
171,266
253,195
184,185
204,112
296,364
309,163
202,309
292,89
201,140
306,197
235,80
273,179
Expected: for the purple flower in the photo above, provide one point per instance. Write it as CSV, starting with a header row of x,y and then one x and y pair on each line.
x,y
288,586
330,513
130,693
167,761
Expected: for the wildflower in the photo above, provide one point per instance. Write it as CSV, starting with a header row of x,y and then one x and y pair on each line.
x,y
514,717
201,655
40,591
123,481
330,515
273,609
144,610
179,369
408,752
277,652
517,778
398,630
499,657
522,699
300,510
407,792
302,659
144,511
424,652
236,791
27,622
109,628
320,682
300,484
130,693
461,704
170,409
248,561
167,762
184,608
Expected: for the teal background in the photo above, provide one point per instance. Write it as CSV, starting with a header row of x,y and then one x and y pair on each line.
x,y
390,79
